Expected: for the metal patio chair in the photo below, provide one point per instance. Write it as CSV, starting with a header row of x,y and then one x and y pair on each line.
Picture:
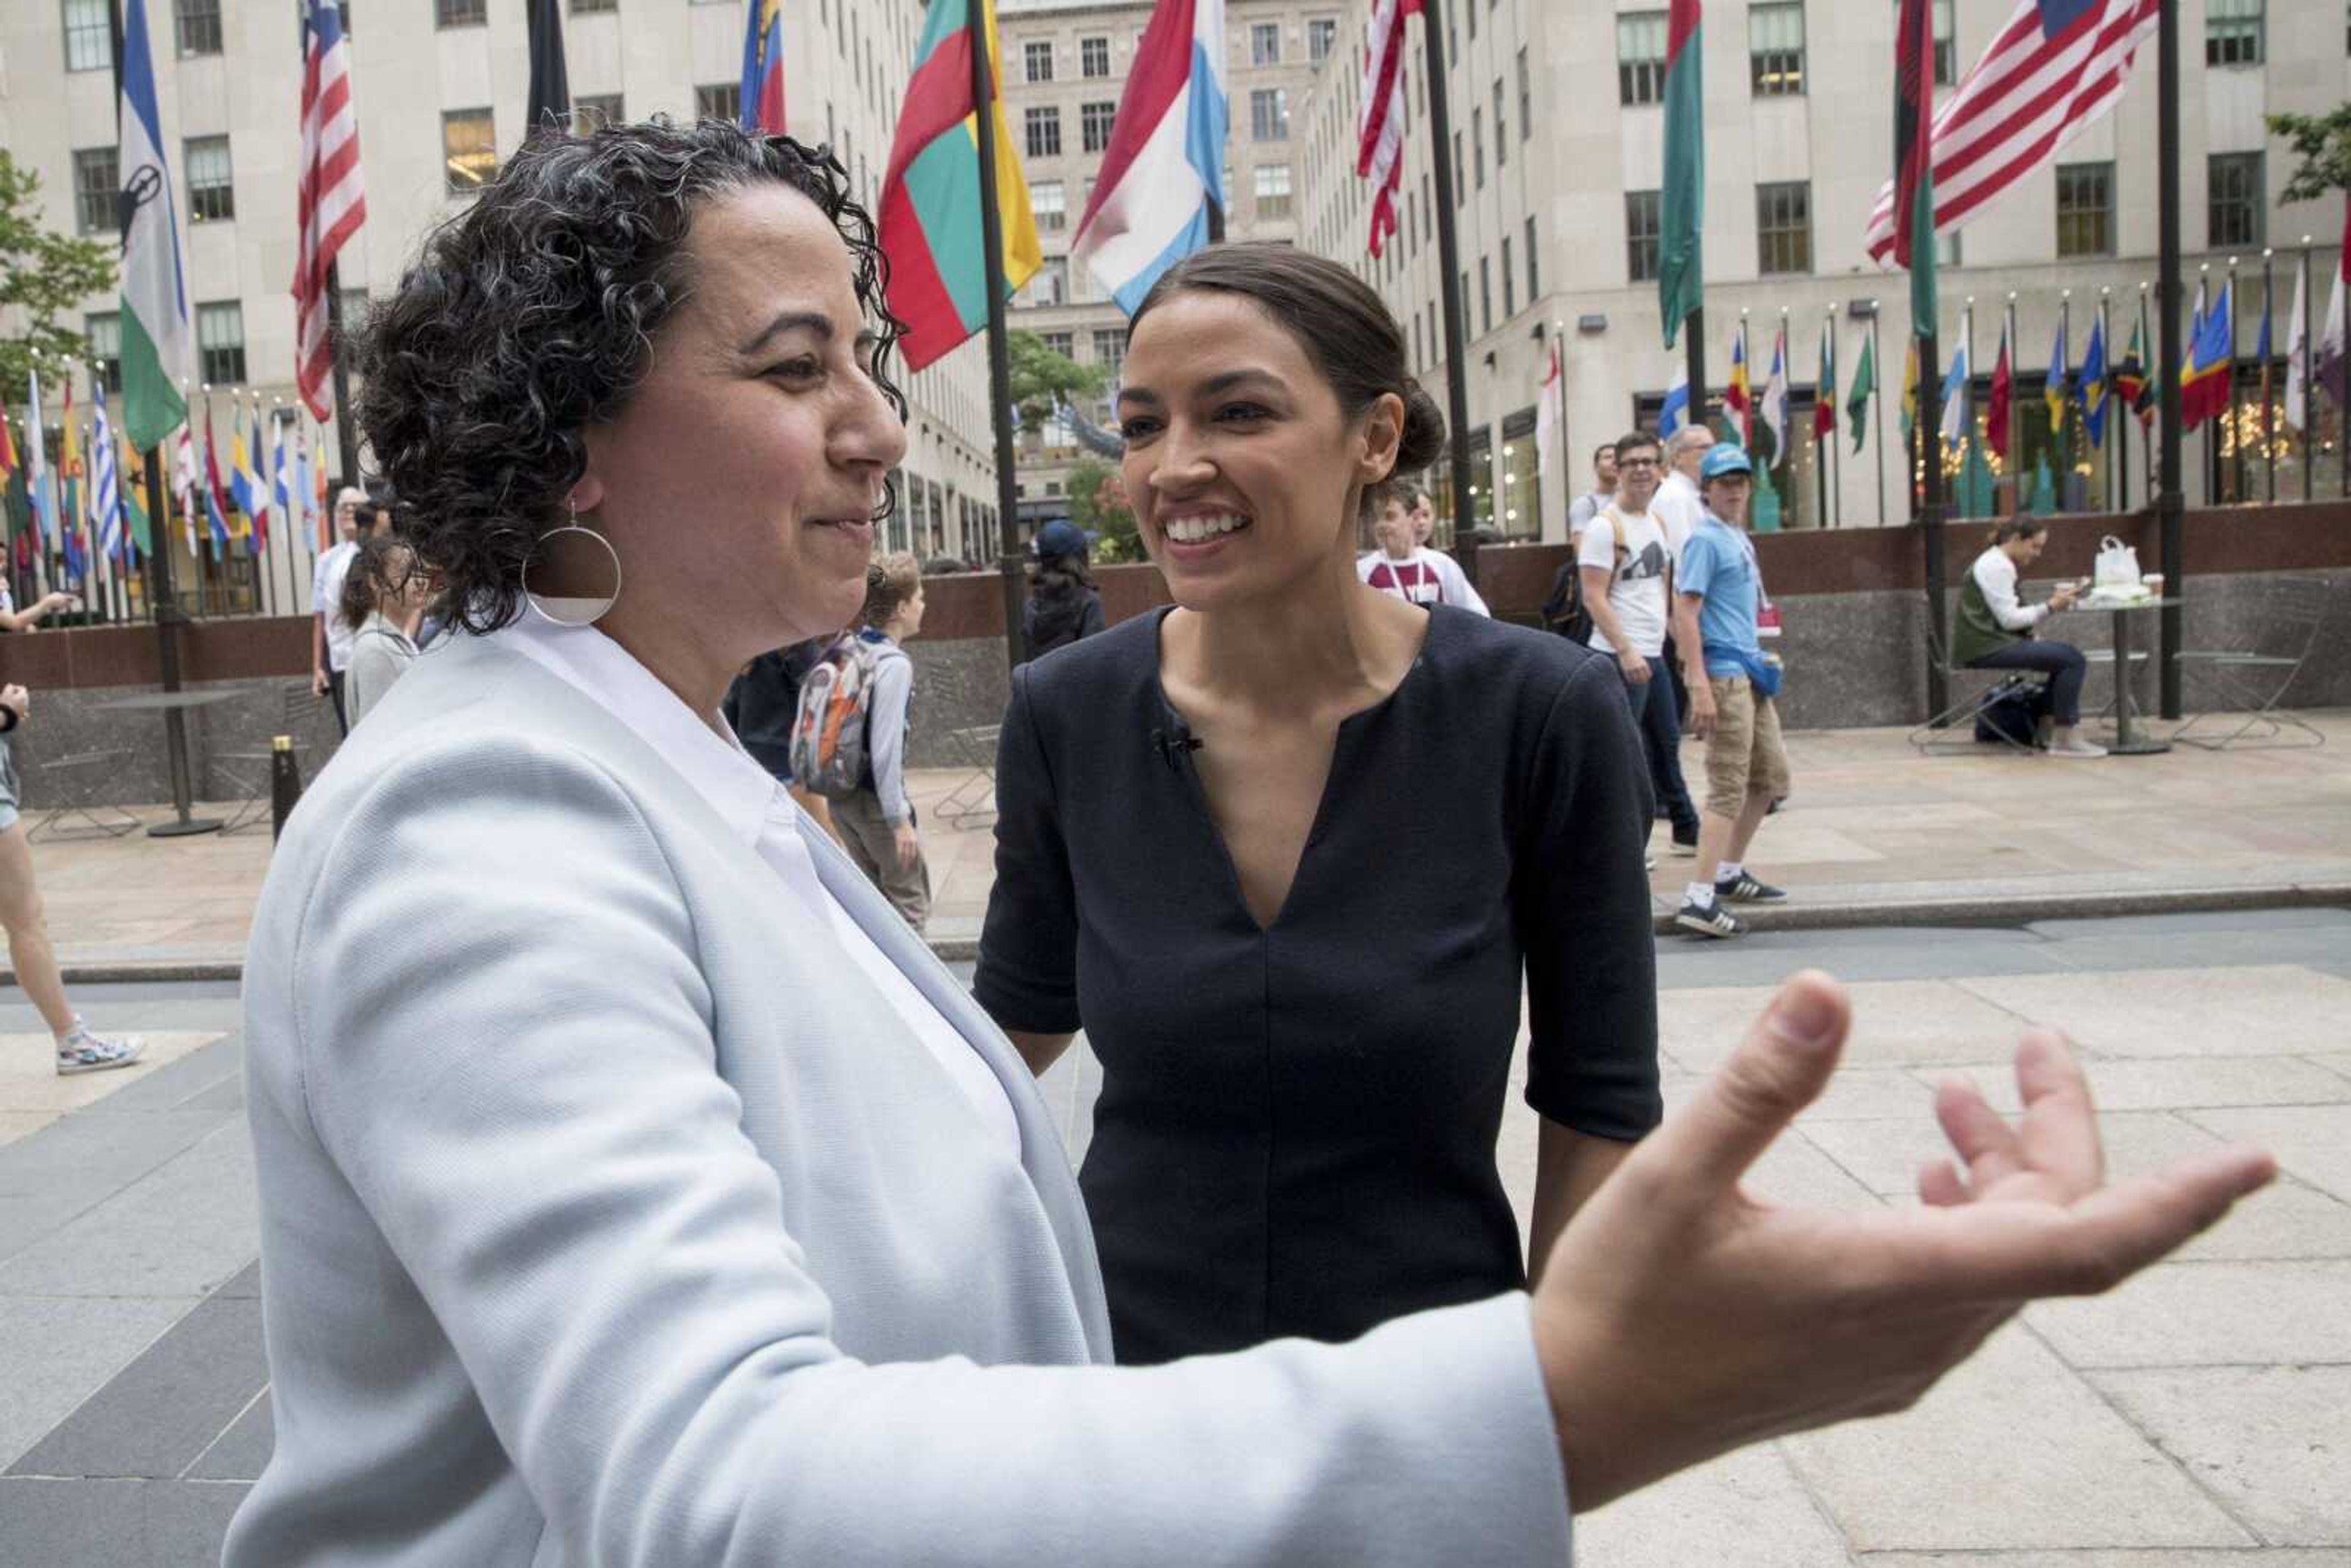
x,y
972,802
293,714
1954,728
77,775
2255,680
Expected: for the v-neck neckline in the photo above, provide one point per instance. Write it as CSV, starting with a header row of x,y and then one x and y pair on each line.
x,y
1197,791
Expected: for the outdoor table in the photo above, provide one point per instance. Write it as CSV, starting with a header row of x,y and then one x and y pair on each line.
x,y
172,705
2129,740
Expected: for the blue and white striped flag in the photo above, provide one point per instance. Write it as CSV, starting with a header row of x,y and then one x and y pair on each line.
x,y
1676,412
106,485
281,478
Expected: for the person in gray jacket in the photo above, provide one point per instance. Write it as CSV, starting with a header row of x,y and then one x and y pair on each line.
x,y
636,1188
876,824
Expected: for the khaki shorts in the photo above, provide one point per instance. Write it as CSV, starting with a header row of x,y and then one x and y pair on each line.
x,y
1743,756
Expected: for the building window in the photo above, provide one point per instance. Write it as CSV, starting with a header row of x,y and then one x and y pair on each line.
x,y
1093,57
1775,48
1044,127
1460,173
105,337
1094,120
1477,144
1784,226
220,343
1270,114
1641,57
1534,276
1509,282
469,150
1947,48
1058,342
721,100
1526,99
1644,219
196,26
1485,295
592,113
1038,59
1051,203
1501,128
98,182
2233,200
2085,208
589,7
1110,352
1265,43
89,38
1272,191
461,13
2232,32
211,185
1052,283
1322,38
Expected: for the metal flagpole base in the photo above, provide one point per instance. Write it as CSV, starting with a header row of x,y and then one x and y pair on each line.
x,y
2138,748
184,828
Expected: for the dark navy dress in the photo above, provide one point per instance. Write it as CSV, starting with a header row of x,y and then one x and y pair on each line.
x,y
1297,1124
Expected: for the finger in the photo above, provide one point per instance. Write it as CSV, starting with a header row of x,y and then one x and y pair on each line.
x,y
1991,1250
1988,1146
1779,1069
1940,1185
2059,1133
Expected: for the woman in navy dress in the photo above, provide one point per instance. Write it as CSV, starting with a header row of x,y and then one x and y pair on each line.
x,y
1291,852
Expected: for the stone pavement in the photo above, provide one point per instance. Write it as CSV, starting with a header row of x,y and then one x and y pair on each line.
x,y
2200,1418
1874,834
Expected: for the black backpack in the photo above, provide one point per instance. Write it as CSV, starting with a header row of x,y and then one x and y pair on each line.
x,y
1564,611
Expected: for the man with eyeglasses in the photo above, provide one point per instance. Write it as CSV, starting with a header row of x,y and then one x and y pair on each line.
x,y
1628,562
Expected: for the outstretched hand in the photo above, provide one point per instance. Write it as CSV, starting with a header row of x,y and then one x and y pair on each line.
x,y
1680,1317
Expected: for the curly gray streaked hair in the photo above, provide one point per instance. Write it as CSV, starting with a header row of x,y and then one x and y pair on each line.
x,y
530,316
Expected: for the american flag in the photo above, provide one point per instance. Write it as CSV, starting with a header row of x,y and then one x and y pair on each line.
x,y
332,204
2053,68
1379,142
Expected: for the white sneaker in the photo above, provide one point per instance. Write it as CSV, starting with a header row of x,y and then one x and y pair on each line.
x,y
2074,746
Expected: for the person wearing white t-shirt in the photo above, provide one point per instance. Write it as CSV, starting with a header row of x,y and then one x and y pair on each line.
x,y
1628,572
1678,506
330,635
1586,506
1409,571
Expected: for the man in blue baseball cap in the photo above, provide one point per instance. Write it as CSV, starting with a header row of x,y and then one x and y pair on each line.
x,y
1719,588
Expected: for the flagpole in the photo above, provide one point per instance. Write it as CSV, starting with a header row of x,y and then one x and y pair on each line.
x,y
2228,429
2015,430
999,354
2168,503
1829,518
2064,374
1967,396
2269,442
2106,352
1877,409
1448,286
2309,382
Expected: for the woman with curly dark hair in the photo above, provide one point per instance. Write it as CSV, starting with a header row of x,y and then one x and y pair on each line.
x,y
635,1187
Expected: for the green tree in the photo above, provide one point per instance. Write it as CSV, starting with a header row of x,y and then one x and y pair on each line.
x,y
1098,505
1043,376
2322,145
41,274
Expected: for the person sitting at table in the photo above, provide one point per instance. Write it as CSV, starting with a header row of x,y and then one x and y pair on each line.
x,y
1991,629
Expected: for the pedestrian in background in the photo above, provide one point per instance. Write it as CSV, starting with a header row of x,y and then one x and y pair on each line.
x,y
877,823
1402,564
761,705
1734,688
1587,505
1063,606
1991,629
383,597
330,635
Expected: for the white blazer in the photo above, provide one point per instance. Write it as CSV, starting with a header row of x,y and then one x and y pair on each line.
x,y
610,1216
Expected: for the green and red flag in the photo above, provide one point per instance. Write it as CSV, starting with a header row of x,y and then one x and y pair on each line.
x,y
1865,383
1681,282
1914,180
930,224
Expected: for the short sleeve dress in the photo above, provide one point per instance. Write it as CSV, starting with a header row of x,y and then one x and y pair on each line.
x,y
1296,1130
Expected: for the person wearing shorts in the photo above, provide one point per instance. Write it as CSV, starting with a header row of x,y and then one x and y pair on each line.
x,y
1718,586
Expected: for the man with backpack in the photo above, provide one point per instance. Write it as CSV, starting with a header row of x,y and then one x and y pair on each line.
x,y
1626,565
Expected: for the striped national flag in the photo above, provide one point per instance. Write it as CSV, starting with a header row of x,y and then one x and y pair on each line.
x,y
331,204
2053,69
106,485
1164,169
1379,128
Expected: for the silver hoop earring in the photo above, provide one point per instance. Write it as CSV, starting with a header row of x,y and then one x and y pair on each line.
x,y
572,609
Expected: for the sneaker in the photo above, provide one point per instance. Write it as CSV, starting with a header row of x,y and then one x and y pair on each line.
x,y
1648,863
1708,919
1685,842
2077,747
1744,889
88,1053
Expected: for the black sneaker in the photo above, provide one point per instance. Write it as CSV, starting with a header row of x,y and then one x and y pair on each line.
x,y
1708,919
1744,889
1685,840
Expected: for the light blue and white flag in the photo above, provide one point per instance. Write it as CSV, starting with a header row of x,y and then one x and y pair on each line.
x,y
1955,398
1165,161
106,484
40,481
1676,412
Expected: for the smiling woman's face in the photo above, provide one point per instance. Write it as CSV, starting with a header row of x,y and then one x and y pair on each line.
x,y
1240,461
738,483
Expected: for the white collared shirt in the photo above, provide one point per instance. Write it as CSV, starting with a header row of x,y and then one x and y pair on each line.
x,y
754,805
